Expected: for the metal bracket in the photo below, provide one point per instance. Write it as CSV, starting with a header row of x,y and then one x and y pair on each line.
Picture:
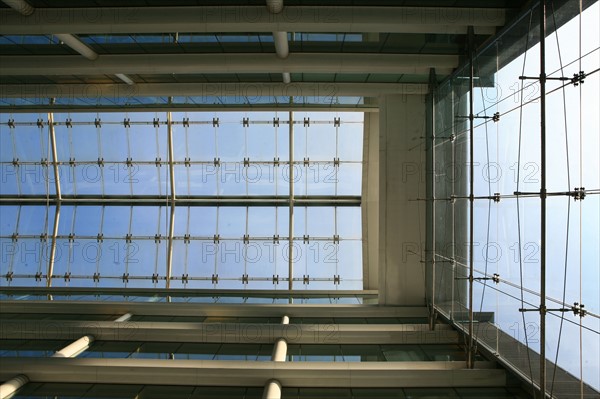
x,y
336,122
246,122
578,194
578,78
215,122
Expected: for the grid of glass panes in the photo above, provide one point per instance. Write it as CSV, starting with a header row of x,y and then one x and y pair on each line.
x,y
506,226
119,160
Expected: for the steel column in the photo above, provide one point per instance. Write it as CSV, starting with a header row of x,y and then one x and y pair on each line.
x,y
173,198
543,199
52,256
291,202
470,349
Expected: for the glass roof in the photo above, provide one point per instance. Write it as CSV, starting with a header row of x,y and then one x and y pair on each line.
x,y
120,222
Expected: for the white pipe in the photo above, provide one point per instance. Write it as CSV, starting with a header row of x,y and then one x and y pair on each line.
x,y
13,385
275,6
77,45
280,39
125,78
124,318
279,350
281,44
20,6
76,347
285,320
272,390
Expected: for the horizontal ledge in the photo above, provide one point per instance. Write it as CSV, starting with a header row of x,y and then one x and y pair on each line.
x,y
256,92
244,373
77,107
149,200
257,333
206,309
246,19
181,64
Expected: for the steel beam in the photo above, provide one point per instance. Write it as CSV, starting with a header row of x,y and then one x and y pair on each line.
x,y
181,64
253,91
237,373
245,19
151,200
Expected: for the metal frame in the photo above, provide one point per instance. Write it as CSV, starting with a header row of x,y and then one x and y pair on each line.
x,y
182,200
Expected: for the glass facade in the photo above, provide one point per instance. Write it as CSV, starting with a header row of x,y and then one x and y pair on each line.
x,y
506,246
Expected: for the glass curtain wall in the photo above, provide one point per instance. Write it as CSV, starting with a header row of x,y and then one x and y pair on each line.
x,y
506,246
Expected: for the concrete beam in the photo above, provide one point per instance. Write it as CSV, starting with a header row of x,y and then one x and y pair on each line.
x,y
244,19
179,64
208,309
401,216
230,332
255,92
370,202
237,373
